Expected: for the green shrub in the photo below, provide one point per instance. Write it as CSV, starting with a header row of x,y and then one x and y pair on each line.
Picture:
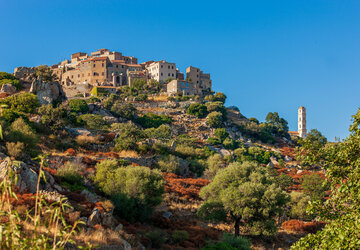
x,y
22,102
124,110
53,118
213,141
215,119
216,106
218,246
10,115
5,75
15,149
185,151
130,134
312,184
285,181
169,164
214,164
197,166
19,130
236,242
298,204
157,238
179,236
141,98
70,176
109,101
229,143
197,109
151,120
45,73
163,132
219,97
139,187
221,134
94,122
93,99
78,106
14,82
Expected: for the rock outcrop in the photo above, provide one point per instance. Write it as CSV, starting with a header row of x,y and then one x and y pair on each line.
x,y
46,92
8,89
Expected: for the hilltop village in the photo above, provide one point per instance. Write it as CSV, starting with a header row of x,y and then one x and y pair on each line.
x,y
105,71
148,157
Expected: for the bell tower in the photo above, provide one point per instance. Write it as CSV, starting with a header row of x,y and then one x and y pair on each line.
x,y
302,122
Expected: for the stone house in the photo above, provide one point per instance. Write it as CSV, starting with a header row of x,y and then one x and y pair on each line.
x,y
180,86
161,70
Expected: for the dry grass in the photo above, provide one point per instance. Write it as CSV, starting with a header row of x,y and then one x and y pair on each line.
x,y
85,139
159,98
128,153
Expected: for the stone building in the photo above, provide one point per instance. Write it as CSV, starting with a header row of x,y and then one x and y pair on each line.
x,y
161,70
201,81
180,86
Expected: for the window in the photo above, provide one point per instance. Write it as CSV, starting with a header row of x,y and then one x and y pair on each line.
x,y
117,66
102,73
78,75
169,74
172,74
161,66
94,65
94,74
172,67
169,67
102,65
161,74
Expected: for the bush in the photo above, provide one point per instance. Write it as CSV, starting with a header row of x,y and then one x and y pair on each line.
x,y
5,75
78,106
140,187
312,184
179,236
109,101
151,120
213,141
197,109
124,110
141,98
215,119
221,134
15,149
130,134
157,238
229,143
10,116
15,83
169,164
298,204
216,106
185,151
23,102
214,164
236,242
53,118
94,122
70,176
285,181
218,246
220,97
19,130
162,133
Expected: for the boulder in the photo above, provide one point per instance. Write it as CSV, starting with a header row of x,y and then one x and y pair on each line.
x,y
27,178
24,73
89,196
94,218
273,161
46,92
8,89
78,131
110,119
287,158
119,228
107,220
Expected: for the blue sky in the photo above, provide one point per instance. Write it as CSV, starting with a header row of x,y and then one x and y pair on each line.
x,y
264,55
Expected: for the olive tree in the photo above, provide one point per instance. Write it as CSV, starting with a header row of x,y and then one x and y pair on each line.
x,y
246,194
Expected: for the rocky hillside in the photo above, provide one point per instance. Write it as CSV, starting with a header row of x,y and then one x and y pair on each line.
x,y
130,172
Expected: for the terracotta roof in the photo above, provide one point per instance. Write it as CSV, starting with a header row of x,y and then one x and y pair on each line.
x,y
293,132
118,61
101,58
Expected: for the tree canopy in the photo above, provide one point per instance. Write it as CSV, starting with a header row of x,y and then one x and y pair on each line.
x,y
246,194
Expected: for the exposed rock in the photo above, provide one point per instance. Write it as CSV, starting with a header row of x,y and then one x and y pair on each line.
x,y
273,161
52,196
24,73
46,92
110,119
107,220
299,171
287,158
167,215
224,152
8,89
77,131
119,227
94,218
27,178
89,196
